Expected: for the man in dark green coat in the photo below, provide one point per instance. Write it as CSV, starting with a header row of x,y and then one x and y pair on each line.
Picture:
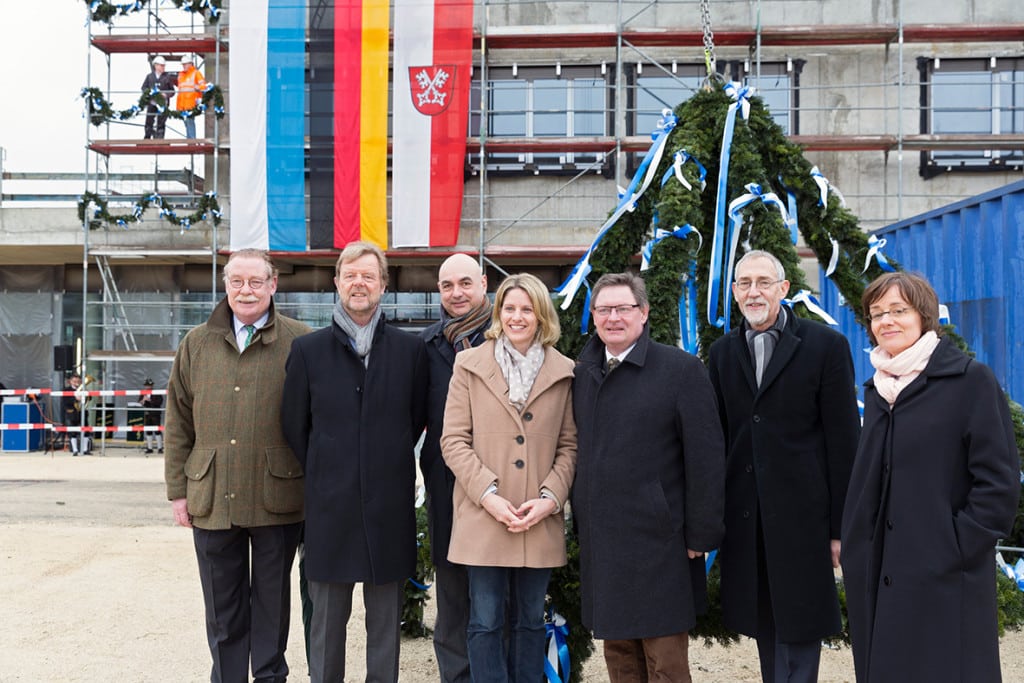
x,y
230,474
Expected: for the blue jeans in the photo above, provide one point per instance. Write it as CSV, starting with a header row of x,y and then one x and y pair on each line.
x,y
190,128
524,588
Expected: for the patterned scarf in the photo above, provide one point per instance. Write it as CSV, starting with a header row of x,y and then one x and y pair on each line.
x,y
520,371
894,373
459,331
361,336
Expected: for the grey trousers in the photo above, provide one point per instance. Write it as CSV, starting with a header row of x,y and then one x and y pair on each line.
x,y
451,585
332,606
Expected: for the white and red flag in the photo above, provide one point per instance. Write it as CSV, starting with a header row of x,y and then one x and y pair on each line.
x,y
433,51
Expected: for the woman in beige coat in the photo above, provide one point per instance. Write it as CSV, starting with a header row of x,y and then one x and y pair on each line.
x,y
510,439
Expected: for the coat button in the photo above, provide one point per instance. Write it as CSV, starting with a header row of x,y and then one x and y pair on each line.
x,y
520,439
888,524
519,464
749,468
746,514
233,442
527,417
757,418
238,388
887,581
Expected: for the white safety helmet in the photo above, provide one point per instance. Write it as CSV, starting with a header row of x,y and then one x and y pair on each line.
x,y
159,60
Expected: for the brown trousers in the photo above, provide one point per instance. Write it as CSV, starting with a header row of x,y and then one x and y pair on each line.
x,y
655,660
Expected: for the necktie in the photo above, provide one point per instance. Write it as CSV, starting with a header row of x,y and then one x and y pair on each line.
x,y
251,330
612,364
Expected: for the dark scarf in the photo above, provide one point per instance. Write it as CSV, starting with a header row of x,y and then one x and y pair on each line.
x,y
459,331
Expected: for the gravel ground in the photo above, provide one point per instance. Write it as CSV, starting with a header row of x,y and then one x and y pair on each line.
x,y
97,585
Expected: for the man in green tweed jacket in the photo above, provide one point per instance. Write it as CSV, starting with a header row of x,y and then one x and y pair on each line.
x,y
231,477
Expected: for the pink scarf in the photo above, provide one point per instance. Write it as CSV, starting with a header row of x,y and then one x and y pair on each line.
x,y
894,373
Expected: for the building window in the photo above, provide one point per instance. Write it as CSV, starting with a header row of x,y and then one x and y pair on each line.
x,y
653,89
971,97
540,102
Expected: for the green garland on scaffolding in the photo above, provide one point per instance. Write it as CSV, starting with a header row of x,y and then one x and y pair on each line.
x,y
105,11
101,110
761,154
207,209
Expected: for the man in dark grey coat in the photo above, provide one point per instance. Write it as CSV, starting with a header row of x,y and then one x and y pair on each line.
x,y
788,404
353,409
465,314
649,487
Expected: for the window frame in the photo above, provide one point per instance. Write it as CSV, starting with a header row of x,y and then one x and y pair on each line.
x,y
995,160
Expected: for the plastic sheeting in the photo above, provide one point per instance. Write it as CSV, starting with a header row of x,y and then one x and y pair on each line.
x,y
26,313
972,252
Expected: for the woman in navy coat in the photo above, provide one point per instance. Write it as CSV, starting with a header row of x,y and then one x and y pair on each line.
x,y
934,487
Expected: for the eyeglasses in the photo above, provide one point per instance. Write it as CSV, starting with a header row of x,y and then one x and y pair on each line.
x,y
762,284
255,283
895,314
623,310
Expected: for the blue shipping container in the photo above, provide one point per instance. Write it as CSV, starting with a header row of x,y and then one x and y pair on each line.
x,y
973,254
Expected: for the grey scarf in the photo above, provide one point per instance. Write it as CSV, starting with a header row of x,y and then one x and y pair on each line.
x,y
361,336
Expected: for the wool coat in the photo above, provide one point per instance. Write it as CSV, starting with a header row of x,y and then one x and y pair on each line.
x,y
649,485
224,448
790,448
354,428
934,487
487,441
438,479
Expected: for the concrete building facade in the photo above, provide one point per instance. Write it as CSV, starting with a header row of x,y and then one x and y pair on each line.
x,y
905,105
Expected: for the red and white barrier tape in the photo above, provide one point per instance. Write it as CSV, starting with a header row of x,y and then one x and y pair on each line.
x,y
14,426
72,392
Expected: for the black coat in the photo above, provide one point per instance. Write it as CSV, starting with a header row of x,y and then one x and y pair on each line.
x,y
439,480
649,485
354,429
935,485
791,445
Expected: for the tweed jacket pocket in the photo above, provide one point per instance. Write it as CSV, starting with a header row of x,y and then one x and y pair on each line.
x,y
200,480
283,481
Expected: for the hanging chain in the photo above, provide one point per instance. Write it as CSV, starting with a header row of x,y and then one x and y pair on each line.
x,y
709,38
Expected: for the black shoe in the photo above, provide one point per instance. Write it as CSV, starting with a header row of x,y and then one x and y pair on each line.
x,y
148,451
160,450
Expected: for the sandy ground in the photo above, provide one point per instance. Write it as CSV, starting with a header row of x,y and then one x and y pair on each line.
x,y
97,585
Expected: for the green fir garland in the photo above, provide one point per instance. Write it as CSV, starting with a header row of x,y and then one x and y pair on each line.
x,y
761,154
207,209
105,11
416,596
101,110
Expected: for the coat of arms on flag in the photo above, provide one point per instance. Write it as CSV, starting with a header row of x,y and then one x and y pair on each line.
x,y
431,87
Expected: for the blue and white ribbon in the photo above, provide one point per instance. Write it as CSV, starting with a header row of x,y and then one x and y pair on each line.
x,y
688,339
558,651
813,305
875,246
421,586
641,181
681,232
794,227
709,560
736,206
943,314
824,187
741,103
676,169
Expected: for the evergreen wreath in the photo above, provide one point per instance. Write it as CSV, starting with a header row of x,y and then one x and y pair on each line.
x,y
761,154
100,110
207,209
105,11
